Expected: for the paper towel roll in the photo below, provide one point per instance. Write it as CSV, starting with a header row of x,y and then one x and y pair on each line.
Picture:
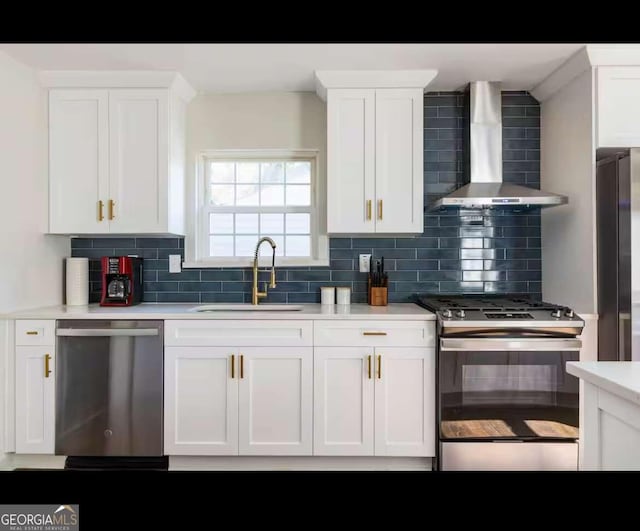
x,y
77,281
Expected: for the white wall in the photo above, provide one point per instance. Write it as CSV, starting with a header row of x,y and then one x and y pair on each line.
x,y
568,167
257,120
31,263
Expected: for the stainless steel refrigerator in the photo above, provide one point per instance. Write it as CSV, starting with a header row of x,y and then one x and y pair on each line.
x,y
618,240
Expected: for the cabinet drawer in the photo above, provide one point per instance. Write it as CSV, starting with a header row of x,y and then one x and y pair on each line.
x,y
374,333
35,332
249,333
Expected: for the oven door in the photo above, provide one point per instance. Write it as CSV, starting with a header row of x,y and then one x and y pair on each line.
x,y
507,389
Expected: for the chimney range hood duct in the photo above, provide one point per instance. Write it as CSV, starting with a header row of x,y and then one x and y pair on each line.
x,y
483,164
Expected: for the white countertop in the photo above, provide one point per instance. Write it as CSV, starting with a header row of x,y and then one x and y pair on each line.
x,y
392,312
621,378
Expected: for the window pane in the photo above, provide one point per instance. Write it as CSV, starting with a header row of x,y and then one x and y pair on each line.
x,y
298,223
298,245
246,245
248,172
299,194
272,172
271,224
221,245
222,194
247,194
298,172
272,195
246,223
221,172
265,248
221,223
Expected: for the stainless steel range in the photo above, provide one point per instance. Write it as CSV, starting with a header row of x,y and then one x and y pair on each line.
x,y
505,400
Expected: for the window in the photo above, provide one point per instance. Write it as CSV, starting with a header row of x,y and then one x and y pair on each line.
x,y
247,195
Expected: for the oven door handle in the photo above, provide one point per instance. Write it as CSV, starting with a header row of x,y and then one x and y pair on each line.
x,y
106,332
529,344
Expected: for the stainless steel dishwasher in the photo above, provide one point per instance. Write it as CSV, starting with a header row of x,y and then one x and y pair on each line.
x,y
109,388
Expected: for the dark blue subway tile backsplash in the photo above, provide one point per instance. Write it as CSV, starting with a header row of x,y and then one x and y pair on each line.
x,y
459,252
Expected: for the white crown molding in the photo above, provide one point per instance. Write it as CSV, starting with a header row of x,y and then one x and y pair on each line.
x,y
326,79
118,79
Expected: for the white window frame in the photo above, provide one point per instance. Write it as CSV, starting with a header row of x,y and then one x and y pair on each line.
x,y
196,247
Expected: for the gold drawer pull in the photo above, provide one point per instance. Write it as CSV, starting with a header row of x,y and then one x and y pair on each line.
x,y
374,333
233,365
369,364
100,210
47,371
368,209
112,204
379,366
380,209
241,366
32,333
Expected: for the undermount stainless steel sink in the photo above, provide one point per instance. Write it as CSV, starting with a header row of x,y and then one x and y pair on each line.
x,y
239,307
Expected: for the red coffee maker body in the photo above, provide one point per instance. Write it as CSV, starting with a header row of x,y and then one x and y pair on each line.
x,y
121,281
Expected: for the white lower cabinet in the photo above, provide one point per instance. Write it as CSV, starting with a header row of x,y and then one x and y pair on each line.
x,y
35,399
238,401
200,401
275,401
374,401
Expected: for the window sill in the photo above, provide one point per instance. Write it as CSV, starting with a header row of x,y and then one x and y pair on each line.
x,y
264,261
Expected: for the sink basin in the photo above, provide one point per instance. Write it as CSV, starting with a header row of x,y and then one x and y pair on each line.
x,y
239,307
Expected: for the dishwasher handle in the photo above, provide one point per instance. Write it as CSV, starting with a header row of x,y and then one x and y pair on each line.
x,y
106,332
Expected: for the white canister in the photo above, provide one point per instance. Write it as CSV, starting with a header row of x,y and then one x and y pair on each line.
x,y
343,295
327,295
77,281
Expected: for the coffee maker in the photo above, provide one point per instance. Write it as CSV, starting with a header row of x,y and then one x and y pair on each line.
x,y
121,281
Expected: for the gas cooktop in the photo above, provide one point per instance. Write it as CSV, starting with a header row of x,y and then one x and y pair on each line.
x,y
515,312
436,303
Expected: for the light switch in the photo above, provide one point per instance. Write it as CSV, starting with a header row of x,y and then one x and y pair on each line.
x,y
175,263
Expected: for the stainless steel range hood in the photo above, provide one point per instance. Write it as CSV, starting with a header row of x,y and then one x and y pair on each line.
x,y
483,164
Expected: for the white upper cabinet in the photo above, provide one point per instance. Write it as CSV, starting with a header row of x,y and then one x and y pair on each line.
x,y
375,176
116,155
78,160
618,106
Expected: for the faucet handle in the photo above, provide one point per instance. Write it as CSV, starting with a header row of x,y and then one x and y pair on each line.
x,y
273,279
266,286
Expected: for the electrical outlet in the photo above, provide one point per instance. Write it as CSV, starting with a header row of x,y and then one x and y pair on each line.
x,y
175,263
365,260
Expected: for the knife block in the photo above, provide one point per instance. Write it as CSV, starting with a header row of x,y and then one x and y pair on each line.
x,y
377,295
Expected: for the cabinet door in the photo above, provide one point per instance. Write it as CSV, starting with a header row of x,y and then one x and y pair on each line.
x,y
343,401
351,160
200,402
78,160
275,400
138,139
399,168
35,400
618,106
405,402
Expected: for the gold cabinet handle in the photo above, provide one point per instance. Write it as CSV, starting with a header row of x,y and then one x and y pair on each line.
x,y
369,365
374,333
112,204
241,366
379,366
379,208
32,333
233,365
47,371
100,210
368,209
